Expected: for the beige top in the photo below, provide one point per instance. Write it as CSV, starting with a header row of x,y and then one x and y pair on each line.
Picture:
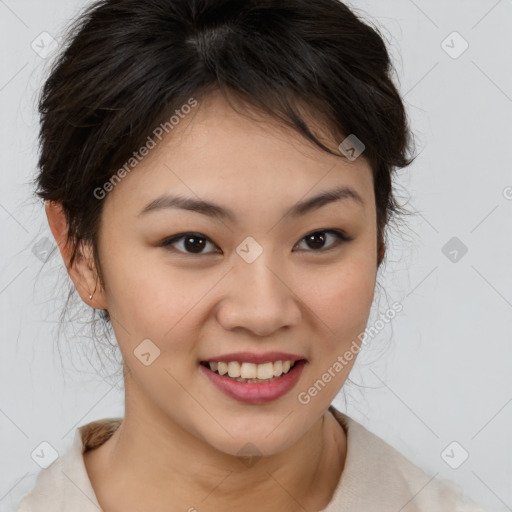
x,y
376,477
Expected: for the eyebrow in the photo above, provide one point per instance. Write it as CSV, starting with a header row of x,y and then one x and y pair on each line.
x,y
216,211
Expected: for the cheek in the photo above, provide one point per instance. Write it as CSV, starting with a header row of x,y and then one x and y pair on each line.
x,y
340,296
135,288
154,300
341,301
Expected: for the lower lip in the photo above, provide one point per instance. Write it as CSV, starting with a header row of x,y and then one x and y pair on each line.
x,y
252,392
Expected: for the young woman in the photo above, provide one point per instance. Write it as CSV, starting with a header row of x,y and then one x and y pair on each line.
x,y
218,177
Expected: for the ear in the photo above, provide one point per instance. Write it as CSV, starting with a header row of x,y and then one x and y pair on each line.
x,y
83,272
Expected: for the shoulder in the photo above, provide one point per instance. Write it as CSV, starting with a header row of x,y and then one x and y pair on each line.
x,y
65,482
377,476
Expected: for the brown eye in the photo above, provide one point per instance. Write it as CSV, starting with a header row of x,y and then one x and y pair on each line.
x,y
317,239
195,243
191,243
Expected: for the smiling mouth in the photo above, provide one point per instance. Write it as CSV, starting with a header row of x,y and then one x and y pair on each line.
x,y
250,372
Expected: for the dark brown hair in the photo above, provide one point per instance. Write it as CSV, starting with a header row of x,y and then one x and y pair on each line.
x,y
127,65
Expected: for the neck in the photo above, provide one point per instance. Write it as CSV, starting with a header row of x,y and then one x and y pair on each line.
x,y
157,465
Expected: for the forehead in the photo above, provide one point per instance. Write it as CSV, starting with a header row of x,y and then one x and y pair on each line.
x,y
215,151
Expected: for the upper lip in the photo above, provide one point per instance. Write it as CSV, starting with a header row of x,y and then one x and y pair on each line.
x,y
252,357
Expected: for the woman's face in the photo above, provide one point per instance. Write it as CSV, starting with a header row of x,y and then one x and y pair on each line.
x,y
249,282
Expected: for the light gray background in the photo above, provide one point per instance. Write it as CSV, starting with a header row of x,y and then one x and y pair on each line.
x,y
441,373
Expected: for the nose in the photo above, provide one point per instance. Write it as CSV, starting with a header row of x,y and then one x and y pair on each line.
x,y
259,299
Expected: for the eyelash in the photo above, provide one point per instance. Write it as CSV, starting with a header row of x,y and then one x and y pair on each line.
x,y
340,235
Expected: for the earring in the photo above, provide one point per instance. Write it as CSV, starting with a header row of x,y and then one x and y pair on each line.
x,y
90,296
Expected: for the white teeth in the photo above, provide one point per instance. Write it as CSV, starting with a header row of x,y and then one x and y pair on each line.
x,y
265,371
248,370
234,369
243,370
278,368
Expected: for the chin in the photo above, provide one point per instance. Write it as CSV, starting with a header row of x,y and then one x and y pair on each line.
x,y
252,436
